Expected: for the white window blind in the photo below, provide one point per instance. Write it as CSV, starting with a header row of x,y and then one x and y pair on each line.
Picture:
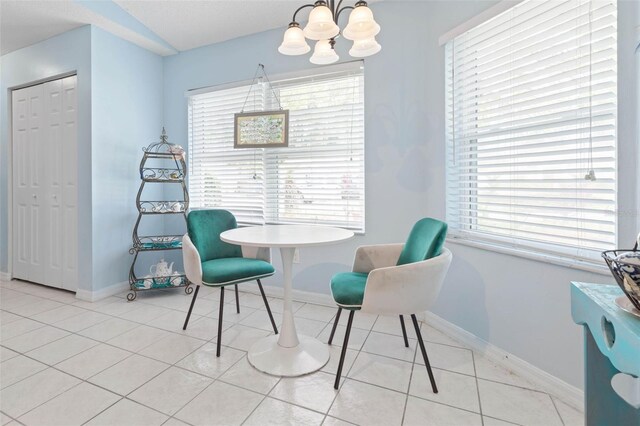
x,y
220,176
531,109
318,178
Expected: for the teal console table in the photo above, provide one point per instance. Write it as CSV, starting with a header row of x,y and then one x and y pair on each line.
x,y
612,346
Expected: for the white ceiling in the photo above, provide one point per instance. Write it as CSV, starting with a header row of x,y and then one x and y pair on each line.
x,y
182,24
23,23
26,22
188,24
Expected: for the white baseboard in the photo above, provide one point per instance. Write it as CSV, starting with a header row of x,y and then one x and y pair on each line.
x,y
94,296
5,276
545,381
298,295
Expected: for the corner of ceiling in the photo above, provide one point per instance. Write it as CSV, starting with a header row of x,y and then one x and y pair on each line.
x,y
109,16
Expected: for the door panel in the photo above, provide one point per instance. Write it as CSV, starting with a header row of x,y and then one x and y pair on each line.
x,y
45,183
21,174
69,166
53,148
38,167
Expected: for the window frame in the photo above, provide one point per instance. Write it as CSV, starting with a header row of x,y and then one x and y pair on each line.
x,y
464,233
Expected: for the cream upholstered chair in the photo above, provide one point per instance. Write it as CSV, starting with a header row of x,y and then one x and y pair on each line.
x,y
394,279
212,262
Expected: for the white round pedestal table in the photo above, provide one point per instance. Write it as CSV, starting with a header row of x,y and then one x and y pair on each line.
x,y
287,354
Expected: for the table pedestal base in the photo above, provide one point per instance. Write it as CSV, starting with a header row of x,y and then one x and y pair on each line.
x,y
269,357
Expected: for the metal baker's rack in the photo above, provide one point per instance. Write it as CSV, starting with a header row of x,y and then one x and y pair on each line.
x,y
162,163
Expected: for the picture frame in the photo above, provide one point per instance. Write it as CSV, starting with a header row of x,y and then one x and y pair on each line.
x,y
261,129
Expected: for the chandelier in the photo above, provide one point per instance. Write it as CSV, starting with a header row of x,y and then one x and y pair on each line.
x,y
323,27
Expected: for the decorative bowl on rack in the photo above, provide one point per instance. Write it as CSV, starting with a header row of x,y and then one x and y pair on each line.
x,y
176,150
625,268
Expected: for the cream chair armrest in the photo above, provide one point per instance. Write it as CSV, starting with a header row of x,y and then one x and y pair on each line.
x,y
406,289
373,257
261,253
191,259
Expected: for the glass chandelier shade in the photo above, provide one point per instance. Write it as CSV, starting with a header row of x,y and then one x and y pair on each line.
x,y
321,25
294,42
324,53
361,24
364,48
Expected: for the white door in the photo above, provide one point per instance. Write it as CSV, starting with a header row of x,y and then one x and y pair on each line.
x,y
45,183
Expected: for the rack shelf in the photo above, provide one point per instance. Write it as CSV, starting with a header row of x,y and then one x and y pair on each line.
x,y
157,242
162,207
162,175
168,167
163,180
170,281
163,155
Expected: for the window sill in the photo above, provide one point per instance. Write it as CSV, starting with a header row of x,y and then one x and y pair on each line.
x,y
567,262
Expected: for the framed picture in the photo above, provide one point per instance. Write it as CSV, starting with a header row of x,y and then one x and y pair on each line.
x,y
261,129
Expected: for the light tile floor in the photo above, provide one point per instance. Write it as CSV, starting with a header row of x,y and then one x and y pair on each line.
x,y
66,362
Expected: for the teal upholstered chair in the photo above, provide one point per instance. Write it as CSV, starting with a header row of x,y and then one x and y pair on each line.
x,y
394,279
212,262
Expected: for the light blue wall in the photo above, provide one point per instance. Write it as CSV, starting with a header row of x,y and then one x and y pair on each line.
x,y
519,305
65,53
127,115
403,121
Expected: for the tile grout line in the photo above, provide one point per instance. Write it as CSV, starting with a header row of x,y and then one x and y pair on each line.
x,y
290,403
509,422
208,386
296,405
11,418
336,418
557,411
475,373
102,411
264,397
413,366
60,394
346,374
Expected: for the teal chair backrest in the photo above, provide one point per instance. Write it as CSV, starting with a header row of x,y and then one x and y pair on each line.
x,y
204,228
425,241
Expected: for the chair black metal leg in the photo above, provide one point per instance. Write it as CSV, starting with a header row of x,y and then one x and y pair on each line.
x,y
237,300
335,325
344,349
404,332
220,321
193,301
264,298
424,354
